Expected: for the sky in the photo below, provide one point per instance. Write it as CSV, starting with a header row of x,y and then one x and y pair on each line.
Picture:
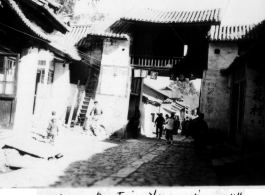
x,y
233,11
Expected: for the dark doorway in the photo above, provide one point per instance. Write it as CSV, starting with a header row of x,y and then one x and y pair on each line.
x,y
237,111
168,44
36,89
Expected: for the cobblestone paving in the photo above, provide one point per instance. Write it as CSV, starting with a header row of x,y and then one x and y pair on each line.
x,y
143,162
177,166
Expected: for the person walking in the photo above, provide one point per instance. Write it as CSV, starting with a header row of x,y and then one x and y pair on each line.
x,y
159,125
200,133
169,128
187,127
183,127
136,123
176,125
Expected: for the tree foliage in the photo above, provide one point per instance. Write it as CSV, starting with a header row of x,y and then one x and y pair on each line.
x,y
67,6
188,91
185,87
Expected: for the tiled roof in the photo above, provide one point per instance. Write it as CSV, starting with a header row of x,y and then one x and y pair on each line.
x,y
109,29
77,33
157,16
237,32
36,30
58,22
232,33
152,100
48,8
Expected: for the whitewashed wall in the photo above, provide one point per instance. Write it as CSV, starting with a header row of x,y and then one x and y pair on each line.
x,y
113,92
215,94
26,87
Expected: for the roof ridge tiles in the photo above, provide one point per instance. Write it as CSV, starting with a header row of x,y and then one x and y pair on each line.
x,y
159,16
35,29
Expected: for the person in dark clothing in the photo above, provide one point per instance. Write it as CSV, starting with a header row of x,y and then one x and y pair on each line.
x,y
136,123
133,126
176,125
200,128
159,125
183,127
188,127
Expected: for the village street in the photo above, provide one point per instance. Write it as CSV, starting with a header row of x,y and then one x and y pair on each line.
x,y
115,162
143,162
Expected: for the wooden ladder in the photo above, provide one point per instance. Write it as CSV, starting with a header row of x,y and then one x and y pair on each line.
x,y
90,90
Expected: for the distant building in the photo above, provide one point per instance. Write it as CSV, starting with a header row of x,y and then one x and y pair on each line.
x,y
159,101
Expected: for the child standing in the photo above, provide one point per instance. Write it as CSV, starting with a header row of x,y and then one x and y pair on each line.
x,y
52,131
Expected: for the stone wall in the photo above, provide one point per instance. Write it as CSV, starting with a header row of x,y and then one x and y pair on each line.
x,y
215,94
252,138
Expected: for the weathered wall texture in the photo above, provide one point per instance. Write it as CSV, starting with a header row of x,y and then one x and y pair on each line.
x,y
215,94
253,134
114,85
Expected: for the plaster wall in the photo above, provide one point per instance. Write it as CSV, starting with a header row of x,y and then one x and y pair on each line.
x,y
50,97
149,126
27,70
115,100
215,94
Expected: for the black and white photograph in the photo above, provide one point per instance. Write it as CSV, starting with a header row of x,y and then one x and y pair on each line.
x,y
99,94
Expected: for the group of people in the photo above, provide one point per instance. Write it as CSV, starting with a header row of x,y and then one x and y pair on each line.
x,y
197,128
170,125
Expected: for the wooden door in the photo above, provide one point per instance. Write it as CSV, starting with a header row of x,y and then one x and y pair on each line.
x,y
8,89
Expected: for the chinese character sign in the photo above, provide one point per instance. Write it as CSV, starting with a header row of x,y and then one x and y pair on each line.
x,y
153,75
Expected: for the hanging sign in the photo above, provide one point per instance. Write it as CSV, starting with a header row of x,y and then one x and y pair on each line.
x,y
153,75
144,73
137,72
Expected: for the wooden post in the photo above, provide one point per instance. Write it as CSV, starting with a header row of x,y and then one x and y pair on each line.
x,y
73,106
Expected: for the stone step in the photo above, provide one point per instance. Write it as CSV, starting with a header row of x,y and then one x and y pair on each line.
x,y
85,103
86,98
83,111
84,107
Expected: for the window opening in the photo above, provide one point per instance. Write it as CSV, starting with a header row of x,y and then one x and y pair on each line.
x,y
7,75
